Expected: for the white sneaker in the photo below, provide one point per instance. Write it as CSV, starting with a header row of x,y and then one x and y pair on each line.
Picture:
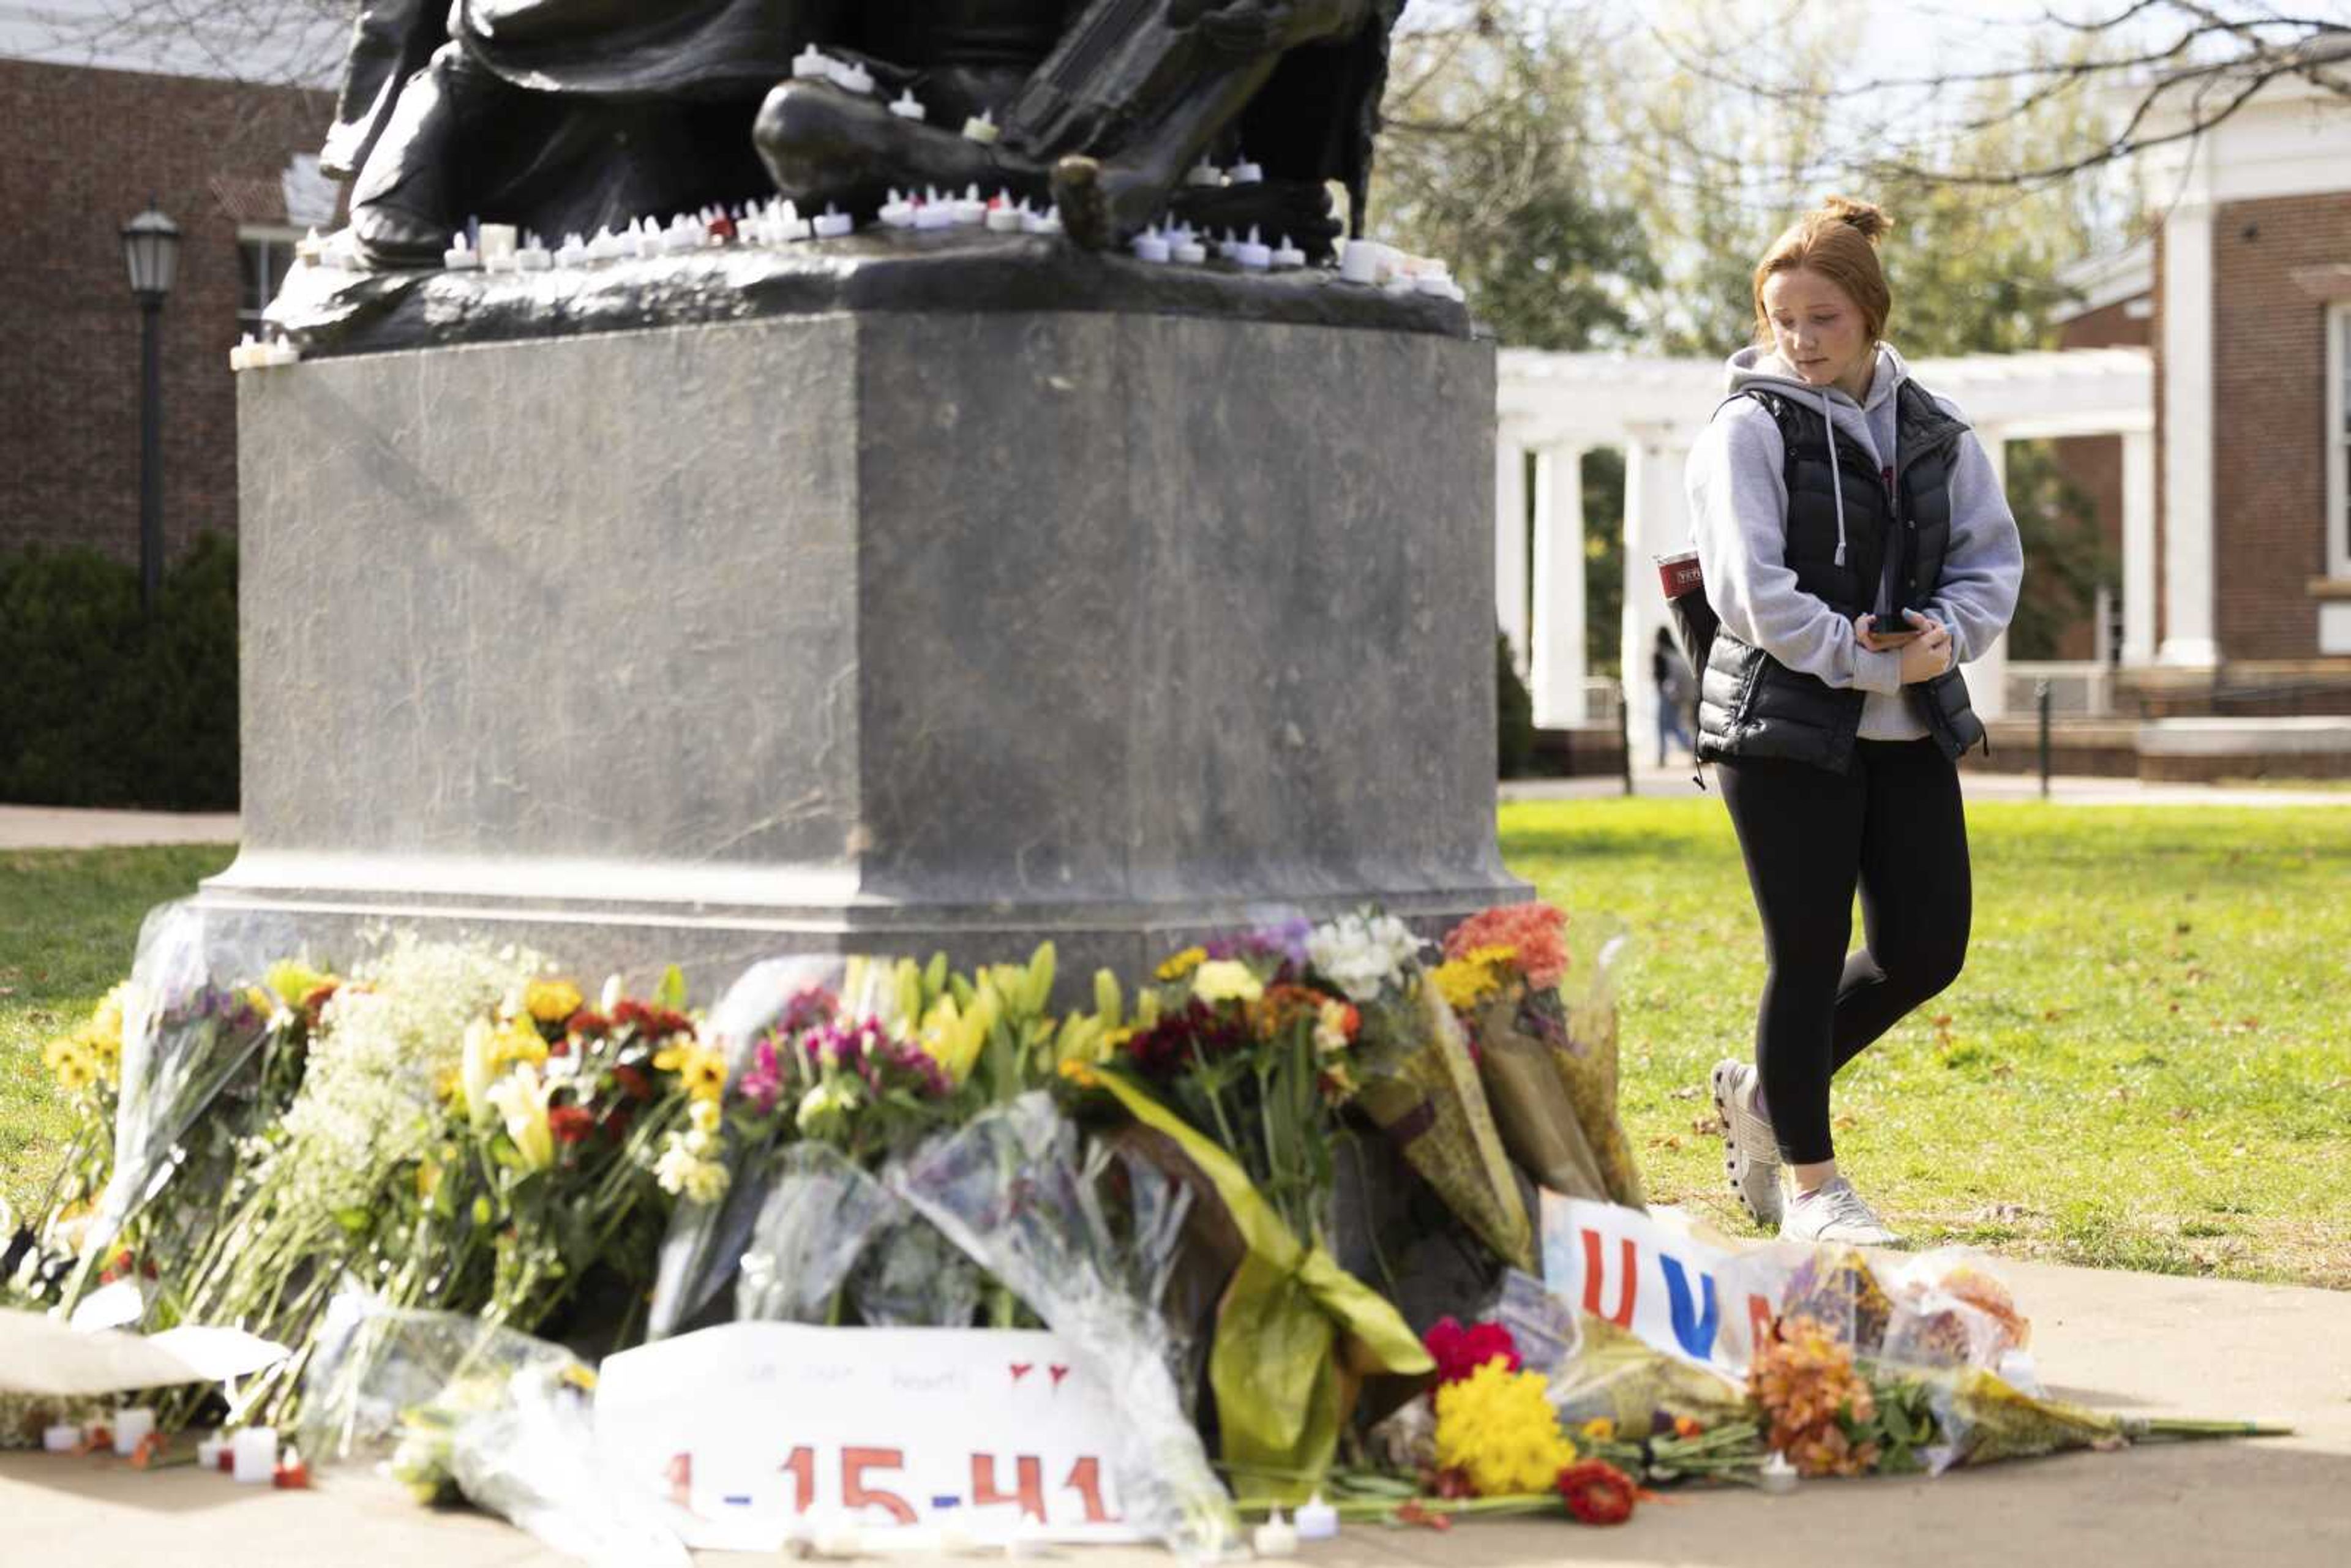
x,y
1751,1153
1834,1212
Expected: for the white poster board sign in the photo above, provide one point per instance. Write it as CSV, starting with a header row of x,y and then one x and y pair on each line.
x,y
739,1428
1705,1304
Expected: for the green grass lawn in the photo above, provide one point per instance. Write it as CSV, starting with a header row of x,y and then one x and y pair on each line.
x,y
2147,1064
68,927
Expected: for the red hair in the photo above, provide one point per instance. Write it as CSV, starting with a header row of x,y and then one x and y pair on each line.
x,y
1838,239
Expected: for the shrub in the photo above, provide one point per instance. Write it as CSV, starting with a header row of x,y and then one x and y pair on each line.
x,y
1514,727
99,707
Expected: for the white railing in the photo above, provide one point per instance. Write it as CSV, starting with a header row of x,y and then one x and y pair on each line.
x,y
2081,688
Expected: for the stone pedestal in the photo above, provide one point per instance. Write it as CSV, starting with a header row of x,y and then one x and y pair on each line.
x,y
879,631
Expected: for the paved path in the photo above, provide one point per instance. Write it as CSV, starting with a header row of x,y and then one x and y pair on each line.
x,y
59,828
2138,1340
62,827
1675,783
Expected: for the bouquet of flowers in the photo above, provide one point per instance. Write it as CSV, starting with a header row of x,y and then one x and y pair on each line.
x,y
1241,1057
1550,1064
1417,1079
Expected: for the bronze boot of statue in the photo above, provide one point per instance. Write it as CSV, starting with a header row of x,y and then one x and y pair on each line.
x,y
824,146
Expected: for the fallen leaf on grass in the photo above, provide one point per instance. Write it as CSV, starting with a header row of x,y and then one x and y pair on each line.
x,y
1707,1126
1687,1092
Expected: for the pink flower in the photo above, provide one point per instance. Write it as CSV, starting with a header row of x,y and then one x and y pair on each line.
x,y
1537,932
1459,1351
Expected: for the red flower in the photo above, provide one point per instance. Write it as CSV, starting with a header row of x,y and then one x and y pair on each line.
x,y
570,1123
633,1081
587,1024
1597,1492
1459,1350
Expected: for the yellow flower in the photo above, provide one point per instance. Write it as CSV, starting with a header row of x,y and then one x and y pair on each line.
x,y
703,1116
552,1001
1599,1429
295,983
954,1038
521,1099
1498,1427
1080,1073
1183,963
69,1063
518,1041
1464,982
701,1069
1226,980
449,1084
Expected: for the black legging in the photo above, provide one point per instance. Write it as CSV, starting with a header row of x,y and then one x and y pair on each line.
x,y
1894,824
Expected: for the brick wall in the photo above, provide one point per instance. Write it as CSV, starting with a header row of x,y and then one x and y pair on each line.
x,y
2270,401
2094,464
81,152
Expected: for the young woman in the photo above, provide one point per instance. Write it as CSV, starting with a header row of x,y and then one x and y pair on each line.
x,y
1857,549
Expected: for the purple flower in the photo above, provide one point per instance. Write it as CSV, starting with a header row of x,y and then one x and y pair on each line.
x,y
1285,940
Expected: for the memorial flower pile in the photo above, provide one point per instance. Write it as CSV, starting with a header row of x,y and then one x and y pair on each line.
x,y
1549,1063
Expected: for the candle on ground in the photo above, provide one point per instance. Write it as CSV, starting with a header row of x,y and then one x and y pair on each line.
x,y
1204,174
1316,1520
906,106
1274,1538
833,224
849,76
63,1438
1253,253
1003,217
460,257
897,212
255,1454
1246,172
130,1425
1151,245
981,127
1048,222
495,242
1286,256
810,64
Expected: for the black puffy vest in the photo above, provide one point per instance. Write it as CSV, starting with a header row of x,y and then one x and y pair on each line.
x,y
1750,704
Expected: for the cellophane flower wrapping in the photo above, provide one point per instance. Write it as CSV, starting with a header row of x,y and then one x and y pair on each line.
x,y
192,1020
818,1215
1429,1098
705,1241
910,1276
1089,1241
1588,1064
1950,1310
452,1405
1980,1418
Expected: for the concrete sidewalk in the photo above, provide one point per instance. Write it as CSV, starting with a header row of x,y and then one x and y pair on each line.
x,y
2165,1345
65,828
1674,783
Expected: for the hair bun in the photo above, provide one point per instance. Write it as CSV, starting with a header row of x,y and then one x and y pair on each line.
x,y
1868,217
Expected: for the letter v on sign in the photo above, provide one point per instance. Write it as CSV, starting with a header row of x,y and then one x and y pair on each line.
x,y
1693,1330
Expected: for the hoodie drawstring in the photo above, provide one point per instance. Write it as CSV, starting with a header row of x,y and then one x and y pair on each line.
x,y
1836,480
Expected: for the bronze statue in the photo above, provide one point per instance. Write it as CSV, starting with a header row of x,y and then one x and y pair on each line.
x,y
568,115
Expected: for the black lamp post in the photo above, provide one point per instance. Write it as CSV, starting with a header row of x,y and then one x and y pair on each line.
x,y
150,246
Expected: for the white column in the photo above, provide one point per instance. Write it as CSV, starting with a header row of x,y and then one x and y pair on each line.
x,y
1987,674
1557,650
2138,547
1656,523
2186,394
1511,542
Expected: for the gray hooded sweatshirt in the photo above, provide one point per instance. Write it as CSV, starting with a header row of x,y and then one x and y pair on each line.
x,y
1738,509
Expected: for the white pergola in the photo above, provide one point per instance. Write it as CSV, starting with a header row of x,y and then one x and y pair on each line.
x,y
1556,407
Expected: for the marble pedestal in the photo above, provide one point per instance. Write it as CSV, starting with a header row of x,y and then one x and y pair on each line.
x,y
870,632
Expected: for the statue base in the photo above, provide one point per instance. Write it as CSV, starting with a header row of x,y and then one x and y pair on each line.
x,y
885,631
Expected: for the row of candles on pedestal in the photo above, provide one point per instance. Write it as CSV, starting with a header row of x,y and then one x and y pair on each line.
x,y
249,1454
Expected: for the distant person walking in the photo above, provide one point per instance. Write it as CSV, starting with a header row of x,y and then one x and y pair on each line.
x,y
1857,548
1669,676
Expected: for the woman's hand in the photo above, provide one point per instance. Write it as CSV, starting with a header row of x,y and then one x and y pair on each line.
x,y
1927,653
1866,631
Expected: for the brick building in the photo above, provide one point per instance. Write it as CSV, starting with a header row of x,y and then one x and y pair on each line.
x,y
2249,289
89,134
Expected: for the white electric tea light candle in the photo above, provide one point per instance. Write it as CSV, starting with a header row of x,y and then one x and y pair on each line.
x,y
833,224
982,128
460,257
254,1456
810,64
906,106
129,1426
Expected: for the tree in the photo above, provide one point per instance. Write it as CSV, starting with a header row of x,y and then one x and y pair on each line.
x,y
1486,161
